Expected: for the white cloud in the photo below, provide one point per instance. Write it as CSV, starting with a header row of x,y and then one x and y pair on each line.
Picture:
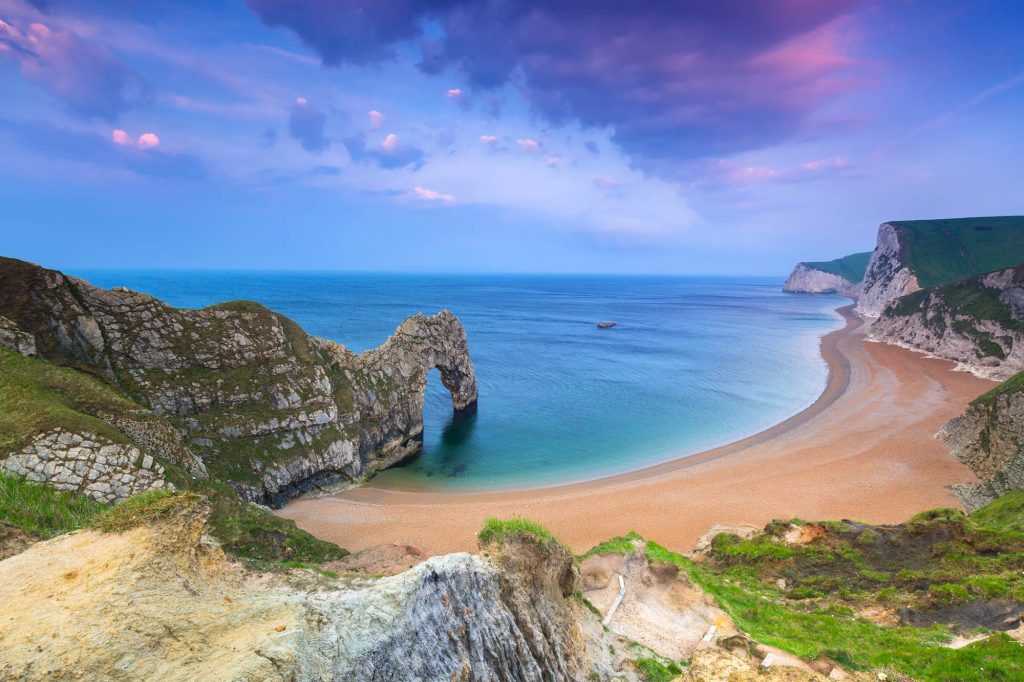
x,y
425,194
376,118
389,143
488,139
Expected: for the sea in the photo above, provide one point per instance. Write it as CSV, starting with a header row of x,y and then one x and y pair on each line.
x,y
692,363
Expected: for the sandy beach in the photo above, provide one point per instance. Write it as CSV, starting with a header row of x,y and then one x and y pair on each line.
x,y
864,450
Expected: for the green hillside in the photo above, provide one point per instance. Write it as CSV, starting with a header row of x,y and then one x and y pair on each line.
x,y
850,267
941,251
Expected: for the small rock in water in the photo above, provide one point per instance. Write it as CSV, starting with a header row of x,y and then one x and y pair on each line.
x,y
606,325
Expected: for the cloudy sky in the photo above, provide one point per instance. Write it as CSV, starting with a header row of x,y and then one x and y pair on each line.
x,y
499,135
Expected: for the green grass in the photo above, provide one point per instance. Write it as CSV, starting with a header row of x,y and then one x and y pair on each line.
x,y
655,670
501,530
42,511
1012,385
1004,514
942,251
37,396
622,544
850,267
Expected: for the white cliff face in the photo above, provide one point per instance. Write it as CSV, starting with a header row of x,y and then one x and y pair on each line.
x,y
887,277
991,347
807,280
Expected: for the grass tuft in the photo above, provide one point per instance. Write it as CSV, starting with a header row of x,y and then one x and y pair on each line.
x,y
501,530
146,508
42,511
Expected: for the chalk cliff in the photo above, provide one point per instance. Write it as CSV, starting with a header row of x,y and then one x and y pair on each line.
x,y
977,322
261,404
888,276
807,280
841,276
989,438
161,601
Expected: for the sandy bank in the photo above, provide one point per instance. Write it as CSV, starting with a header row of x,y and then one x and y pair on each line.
x,y
863,450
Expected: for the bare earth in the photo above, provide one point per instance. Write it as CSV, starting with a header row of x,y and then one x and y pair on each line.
x,y
863,451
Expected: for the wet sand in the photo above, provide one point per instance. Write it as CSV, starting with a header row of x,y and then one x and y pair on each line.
x,y
864,450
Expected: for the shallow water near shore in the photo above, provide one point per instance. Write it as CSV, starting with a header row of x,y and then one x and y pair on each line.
x,y
692,363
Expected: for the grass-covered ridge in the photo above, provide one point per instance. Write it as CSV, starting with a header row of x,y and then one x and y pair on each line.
x,y
936,574
1014,384
502,530
942,251
850,268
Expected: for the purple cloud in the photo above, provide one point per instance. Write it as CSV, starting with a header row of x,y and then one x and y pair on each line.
x,y
306,124
673,80
87,78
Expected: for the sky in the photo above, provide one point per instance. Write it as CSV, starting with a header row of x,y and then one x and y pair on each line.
x,y
735,137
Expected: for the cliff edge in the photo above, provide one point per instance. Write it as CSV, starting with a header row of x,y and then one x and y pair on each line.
x,y
259,403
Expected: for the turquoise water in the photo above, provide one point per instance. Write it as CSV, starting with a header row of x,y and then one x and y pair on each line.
x,y
693,362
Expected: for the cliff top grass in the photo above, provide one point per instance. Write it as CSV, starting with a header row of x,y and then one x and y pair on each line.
x,y
939,562
502,530
42,511
941,251
143,509
1014,384
850,267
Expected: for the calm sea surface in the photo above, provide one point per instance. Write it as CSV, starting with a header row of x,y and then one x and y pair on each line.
x,y
693,362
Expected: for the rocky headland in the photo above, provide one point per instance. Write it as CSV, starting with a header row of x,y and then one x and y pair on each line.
x,y
234,391
843,276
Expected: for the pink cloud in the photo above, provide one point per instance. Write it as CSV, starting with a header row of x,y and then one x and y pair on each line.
x,y
148,141
389,143
301,101
553,160
425,194
376,118
605,182
455,93
488,139
120,137
528,145
742,174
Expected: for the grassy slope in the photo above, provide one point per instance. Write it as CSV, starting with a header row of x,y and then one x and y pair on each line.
x,y
941,251
941,559
37,396
1014,384
850,267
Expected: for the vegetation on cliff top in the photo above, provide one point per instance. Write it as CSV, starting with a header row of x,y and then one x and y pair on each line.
x,y
43,511
940,572
941,251
502,530
1012,385
850,268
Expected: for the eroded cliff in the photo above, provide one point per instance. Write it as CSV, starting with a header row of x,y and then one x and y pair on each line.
x,y
989,438
842,276
977,322
260,403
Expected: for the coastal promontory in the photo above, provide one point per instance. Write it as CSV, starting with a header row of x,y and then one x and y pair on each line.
x,y
234,391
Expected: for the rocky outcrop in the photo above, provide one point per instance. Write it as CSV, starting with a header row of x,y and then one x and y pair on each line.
x,y
977,322
989,438
808,280
265,406
162,602
87,464
888,276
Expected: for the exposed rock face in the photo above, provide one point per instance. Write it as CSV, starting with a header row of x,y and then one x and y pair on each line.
x,y
888,276
87,464
989,438
164,603
977,322
265,406
807,280
15,339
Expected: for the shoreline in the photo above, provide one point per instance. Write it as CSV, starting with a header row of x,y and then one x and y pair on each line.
x,y
836,383
863,449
